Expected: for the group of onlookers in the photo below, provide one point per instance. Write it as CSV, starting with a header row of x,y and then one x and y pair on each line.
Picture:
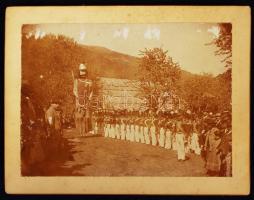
x,y
41,135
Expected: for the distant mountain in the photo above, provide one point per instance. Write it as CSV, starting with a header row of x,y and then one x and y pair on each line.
x,y
111,64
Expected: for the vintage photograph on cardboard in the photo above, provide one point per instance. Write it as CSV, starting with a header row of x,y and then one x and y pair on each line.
x,y
130,99
120,96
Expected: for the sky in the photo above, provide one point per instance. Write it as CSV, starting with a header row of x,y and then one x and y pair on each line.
x,y
185,42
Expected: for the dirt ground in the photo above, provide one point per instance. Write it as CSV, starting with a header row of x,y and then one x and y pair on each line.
x,y
95,155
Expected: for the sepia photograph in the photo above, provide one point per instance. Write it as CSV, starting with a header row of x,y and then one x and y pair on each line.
x,y
126,99
131,100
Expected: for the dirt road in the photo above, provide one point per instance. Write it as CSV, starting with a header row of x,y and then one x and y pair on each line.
x,y
95,155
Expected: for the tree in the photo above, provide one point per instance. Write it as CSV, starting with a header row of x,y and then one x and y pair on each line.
x,y
204,92
197,92
224,89
158,75
224,43
224,48
47,64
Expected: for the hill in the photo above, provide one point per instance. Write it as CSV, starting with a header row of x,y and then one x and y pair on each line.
x,y
60,53
110,64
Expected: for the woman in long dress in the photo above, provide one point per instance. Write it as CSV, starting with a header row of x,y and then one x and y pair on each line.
x,y
180,143
168,140
162,132
195,143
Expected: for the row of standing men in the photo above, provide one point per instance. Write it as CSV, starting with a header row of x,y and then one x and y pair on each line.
x,y
163,132
209,135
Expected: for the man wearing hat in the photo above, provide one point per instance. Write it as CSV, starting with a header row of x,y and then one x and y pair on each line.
x,y
83,92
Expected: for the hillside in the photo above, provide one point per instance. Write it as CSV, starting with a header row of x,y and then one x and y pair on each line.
x,y
60,53
111,64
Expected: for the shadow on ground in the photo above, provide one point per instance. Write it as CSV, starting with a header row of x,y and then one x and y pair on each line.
x,y
94,155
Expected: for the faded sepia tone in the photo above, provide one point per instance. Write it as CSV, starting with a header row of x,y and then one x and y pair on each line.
x,y
75,93
94,105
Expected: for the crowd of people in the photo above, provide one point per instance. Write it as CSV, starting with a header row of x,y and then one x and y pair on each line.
x,y
41,134
207,135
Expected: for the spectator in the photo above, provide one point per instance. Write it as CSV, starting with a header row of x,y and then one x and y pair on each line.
x,y
213,160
